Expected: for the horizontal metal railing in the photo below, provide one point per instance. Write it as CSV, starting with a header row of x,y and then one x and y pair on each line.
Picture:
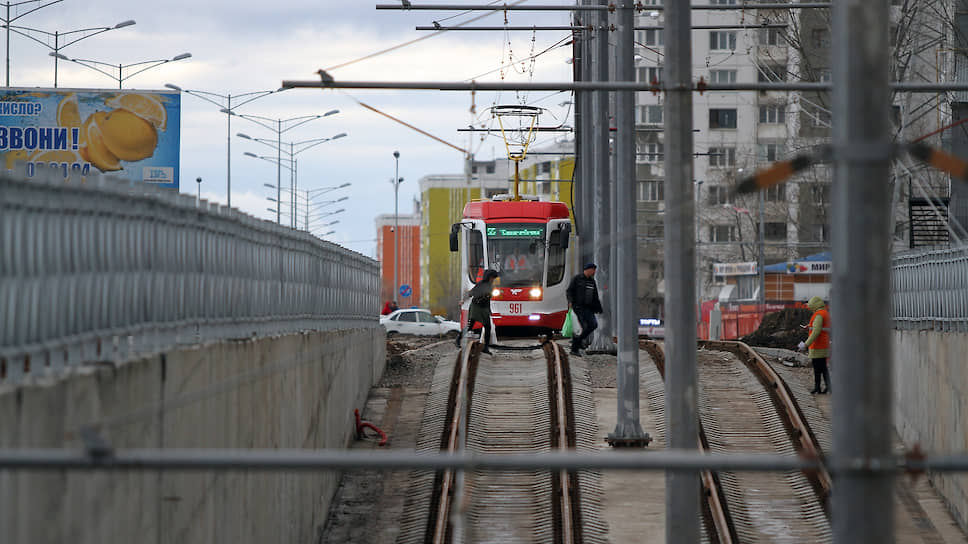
x,y
930,289
103,270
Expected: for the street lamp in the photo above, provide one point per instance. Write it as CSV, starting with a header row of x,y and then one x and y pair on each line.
x,y
396,181
86,33
334,212
223,106
278,145
198,198
93,65
309,198
8,19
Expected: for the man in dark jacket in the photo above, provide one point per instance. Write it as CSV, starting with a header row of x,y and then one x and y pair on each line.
x,y
480,307
583,299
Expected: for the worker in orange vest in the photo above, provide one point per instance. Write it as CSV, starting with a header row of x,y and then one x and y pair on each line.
x,y
818,343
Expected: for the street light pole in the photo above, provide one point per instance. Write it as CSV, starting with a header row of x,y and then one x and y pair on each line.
x,y
7,20
57,35
227,109
92,64
396,225
277,124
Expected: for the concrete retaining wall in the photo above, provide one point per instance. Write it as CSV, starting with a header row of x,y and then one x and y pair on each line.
x,y
931,408
293,391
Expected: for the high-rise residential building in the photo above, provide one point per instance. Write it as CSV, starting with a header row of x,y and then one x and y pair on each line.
x,y
738,132
929,43
735,133
406,255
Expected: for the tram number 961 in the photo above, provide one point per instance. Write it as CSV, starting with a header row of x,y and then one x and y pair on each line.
x,y
516,308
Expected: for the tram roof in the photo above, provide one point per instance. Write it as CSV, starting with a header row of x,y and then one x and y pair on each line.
x,y
515,209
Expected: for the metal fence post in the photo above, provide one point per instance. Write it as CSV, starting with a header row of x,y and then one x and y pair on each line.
x,y
863,502
682,488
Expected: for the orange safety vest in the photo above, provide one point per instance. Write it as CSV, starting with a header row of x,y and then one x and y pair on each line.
x,y
480,274
823,339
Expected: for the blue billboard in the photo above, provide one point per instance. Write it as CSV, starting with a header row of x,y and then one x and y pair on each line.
x,y
74,132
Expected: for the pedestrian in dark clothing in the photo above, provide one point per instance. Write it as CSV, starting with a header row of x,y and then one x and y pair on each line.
x,y
480,307
583,299
818,344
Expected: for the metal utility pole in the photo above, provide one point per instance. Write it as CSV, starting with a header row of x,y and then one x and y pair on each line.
x,y
586,160
628,431
602,339
698,254
760,258
861,295
396,225
279,174
682,488
577,54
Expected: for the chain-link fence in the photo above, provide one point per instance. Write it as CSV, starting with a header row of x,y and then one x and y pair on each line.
x,y
102,270
931,289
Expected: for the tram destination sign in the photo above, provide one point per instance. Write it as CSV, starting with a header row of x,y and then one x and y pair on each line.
x,y
515,232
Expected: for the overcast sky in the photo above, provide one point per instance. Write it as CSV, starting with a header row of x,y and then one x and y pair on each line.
x,y
242,46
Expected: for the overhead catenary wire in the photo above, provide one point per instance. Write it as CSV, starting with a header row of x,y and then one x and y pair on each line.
x,y
411,42
408,125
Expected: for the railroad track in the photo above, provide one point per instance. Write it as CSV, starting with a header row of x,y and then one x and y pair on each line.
x,y
518,402
736,387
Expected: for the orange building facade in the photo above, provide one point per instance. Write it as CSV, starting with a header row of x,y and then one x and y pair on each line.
x,y
408,262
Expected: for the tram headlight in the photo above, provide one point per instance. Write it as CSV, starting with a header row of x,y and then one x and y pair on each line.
x,y
496,293
535,292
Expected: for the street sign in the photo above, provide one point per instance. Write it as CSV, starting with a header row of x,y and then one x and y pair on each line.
x,y
405,291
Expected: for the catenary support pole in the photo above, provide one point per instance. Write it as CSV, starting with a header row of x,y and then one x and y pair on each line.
x,y
602,339
628,431
863,503
586,187
682,488
577,60
613,186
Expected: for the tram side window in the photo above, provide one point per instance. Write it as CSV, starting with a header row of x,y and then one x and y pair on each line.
x,y
475,255
556,260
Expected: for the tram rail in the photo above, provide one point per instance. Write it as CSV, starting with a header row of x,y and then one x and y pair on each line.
x,y
450,508
728,516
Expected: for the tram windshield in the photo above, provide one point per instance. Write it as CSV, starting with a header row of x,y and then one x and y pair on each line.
x,y
517,251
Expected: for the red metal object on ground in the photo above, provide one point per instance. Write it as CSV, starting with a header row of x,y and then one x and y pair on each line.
x,y
360,425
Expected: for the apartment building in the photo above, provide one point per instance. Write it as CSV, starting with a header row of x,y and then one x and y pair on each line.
x,y
398,251
735,133
548,172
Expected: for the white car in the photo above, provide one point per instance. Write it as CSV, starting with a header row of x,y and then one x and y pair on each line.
x,y
417,321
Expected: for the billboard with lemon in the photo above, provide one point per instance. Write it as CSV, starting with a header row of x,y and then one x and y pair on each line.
x,y
74,132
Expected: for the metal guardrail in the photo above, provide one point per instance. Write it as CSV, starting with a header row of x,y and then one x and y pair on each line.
x,y
103,270
931,289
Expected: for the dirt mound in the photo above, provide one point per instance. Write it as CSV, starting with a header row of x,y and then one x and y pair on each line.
x,y
396,348
781,329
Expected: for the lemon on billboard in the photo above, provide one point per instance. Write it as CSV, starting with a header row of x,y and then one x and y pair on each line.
x,y
134,134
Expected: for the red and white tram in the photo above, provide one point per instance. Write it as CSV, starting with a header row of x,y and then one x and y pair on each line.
x,y
526,241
